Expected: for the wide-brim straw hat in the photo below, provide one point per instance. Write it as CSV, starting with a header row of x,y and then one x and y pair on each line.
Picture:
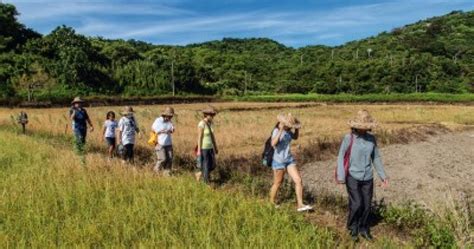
x,y
77,100
168,112
209,110
289,120
127,110
363,120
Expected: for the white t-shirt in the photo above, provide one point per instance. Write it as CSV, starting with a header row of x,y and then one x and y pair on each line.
x,y
160,125
128,126
110,126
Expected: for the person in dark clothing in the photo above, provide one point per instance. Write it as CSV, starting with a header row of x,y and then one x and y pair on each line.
x,y
80,119
357,155
23,121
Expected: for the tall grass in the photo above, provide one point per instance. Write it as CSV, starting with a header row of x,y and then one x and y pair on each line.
x,y
242,128
49,200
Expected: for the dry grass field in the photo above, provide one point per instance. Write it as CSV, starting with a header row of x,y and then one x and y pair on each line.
x,y
241,128
79,206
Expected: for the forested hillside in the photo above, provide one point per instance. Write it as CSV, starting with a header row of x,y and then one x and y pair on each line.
x,y
432,55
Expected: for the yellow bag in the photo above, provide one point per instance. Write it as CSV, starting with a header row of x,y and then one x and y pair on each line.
x,y
153,140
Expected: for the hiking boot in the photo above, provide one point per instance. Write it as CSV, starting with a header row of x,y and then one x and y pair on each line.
x,y
366,235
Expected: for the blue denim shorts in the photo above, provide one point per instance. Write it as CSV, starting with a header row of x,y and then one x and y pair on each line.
x,y
279,166
111,141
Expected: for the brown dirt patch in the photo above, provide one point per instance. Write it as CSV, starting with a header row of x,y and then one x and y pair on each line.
x,y
428,172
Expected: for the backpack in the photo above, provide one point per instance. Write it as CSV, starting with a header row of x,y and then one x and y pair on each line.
x,y
347,158
268,151
134,124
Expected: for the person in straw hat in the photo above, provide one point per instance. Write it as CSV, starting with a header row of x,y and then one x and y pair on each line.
x,y
163,127
127,129
283,160
80,118
357,154
206,150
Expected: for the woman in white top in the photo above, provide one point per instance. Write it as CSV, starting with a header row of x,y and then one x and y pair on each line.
x,y
108,132
127,128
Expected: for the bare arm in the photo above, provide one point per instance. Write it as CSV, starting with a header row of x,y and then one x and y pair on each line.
x,y
90,123
73,114
276,139
120,136
119,131
103,131
296,134
200,137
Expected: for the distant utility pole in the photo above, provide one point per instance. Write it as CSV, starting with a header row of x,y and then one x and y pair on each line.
x,y
247,80
301,59
332,54
172,75
416,83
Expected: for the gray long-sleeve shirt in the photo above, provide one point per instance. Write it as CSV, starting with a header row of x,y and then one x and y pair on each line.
x,y
364,154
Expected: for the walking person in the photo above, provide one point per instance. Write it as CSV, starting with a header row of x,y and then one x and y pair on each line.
x,y
108,133
283,160
163,127
80,118
127,130
357,155
207,146
23,121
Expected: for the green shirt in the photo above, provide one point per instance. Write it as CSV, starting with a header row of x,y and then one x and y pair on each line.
x,y
206,139
364,155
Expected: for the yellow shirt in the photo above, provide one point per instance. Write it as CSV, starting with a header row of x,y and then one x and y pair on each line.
x,y
206,139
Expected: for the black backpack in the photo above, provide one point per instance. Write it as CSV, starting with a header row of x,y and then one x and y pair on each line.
x,y
268,151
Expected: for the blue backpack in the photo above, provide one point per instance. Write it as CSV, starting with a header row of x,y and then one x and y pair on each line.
x,y
268,151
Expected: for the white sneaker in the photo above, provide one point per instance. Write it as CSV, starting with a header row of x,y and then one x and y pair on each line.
x,y
305,208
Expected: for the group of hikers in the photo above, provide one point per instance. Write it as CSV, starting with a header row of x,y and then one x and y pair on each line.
x,y
358,153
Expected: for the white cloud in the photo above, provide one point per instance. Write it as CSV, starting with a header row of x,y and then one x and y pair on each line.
x,y
38,10
180,26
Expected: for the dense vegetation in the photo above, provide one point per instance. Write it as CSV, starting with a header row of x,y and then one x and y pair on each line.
x,y
433,55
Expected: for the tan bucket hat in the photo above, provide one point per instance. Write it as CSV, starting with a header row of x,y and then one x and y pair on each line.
x,y
363,120
289,120
77,100
169,112
127,110
210,110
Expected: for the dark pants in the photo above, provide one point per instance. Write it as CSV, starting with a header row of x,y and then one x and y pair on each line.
x,y
80,140
360,197
128,152
208,163
23,128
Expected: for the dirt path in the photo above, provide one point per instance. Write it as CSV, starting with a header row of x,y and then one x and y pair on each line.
x,y
429,172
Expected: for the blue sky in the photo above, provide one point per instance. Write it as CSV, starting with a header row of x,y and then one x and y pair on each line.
x,y
294,23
